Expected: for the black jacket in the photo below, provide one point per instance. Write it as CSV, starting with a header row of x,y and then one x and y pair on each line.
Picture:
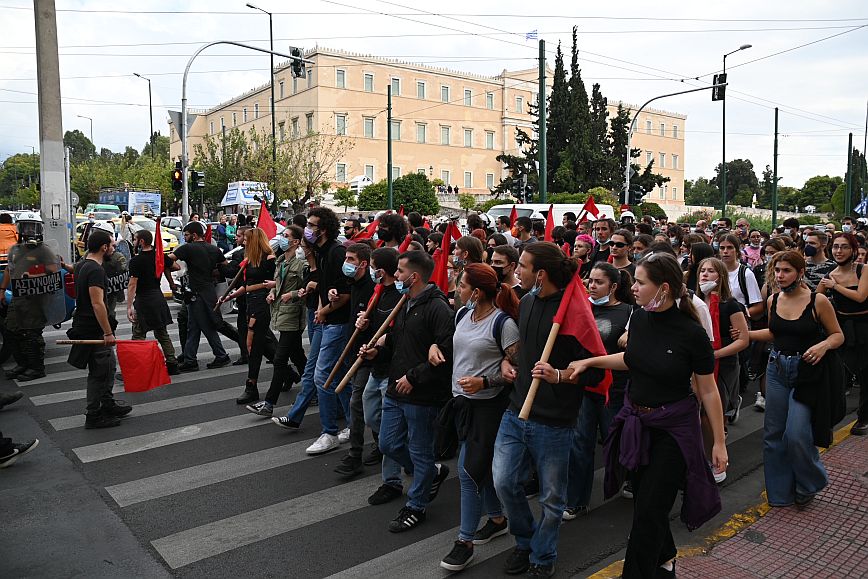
x,y
555,404
429,320
329,262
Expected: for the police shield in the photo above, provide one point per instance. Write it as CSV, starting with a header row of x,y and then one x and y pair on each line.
x,y
36,282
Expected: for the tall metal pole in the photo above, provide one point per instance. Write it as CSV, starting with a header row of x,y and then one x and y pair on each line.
x,y
849,193
91,129
389,142
723,152
275,205
543,159
864,158
151,111
775,176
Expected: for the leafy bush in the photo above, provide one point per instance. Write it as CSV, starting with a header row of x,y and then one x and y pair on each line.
x,y
413,190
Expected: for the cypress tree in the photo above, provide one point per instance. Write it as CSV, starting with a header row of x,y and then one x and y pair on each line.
x,y
558,118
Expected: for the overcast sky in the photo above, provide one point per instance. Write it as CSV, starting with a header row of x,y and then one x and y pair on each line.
x,y
635,50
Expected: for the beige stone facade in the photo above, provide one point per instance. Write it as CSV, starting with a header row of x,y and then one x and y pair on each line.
x,y
448,124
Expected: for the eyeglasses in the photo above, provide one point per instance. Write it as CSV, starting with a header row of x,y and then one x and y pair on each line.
x,y
312,224
619,244
837,247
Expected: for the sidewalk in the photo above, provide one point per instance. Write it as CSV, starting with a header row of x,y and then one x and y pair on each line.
x,y
825,539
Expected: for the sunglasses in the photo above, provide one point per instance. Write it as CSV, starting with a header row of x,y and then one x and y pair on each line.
x,y
619,244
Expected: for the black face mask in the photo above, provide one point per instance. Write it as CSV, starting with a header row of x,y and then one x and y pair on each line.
x,y
810,251
501,275
384,235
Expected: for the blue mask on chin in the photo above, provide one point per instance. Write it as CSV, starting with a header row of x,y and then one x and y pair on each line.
x,y
599,301
403,287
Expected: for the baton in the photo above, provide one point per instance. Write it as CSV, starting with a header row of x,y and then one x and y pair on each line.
x,y
371,343
80,342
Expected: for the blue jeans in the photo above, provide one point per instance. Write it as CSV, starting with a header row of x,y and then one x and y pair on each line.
x,y
334,338
521,443
302,401
790,459
407,437
372,402
473,502
594,417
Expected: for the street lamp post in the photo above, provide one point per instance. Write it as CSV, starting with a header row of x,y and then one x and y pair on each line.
x,y
274,202
91,128
151,111
723,131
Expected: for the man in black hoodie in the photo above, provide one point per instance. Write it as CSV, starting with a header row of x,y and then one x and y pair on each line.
x,y
544,439
416,389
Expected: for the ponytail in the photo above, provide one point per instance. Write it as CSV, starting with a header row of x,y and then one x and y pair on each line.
x,y
685,304
507,300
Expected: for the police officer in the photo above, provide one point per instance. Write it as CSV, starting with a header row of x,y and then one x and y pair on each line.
x,y
115,265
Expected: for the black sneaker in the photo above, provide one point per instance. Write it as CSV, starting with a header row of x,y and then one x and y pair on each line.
x,y
30,374
218,363
541,571
240,362
172,368
406,520
571,513
350,466
489,531
25,447
385,494
14,372
101,421
374,457
9,459
286,423
12,397
518,562
459,557
189,367
439,479
119,409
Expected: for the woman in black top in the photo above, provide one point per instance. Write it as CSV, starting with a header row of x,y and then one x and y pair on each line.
x,y
793,470
847,288
258,278
666,347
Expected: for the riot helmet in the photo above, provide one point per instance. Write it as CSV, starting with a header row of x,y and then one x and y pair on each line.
x,y
30,228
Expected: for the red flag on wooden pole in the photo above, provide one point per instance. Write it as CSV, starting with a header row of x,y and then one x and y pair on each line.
x,y
265,222
513,215
142,364
368,232
158,250
550,224
441,255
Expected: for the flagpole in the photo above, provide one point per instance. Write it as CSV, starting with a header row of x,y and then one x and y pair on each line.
x,y
374,300
534,385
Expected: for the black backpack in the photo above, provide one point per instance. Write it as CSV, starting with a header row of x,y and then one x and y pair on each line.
x,y
496,329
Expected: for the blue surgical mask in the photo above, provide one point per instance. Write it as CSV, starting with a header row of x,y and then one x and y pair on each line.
x,y
374,276
846,228
599,301
403,287
458,261
537,287
283,243
470,305
637,256
349,269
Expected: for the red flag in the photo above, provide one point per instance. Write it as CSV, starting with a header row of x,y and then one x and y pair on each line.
x,y
590,208
401,211
425,223
568,251
550,224
577,319
513,215
158,250
716,343
265,222
208,233
368,232
441,255
375,297
405,244
143,366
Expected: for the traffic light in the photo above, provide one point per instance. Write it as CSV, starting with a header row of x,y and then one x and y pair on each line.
x,y
718,92
197,179
297,66
637,196
177,177
517,189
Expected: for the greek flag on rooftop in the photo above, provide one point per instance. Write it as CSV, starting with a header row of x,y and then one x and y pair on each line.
x,y
532,35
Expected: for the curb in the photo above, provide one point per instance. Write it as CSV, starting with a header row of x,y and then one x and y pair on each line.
x,y
737,523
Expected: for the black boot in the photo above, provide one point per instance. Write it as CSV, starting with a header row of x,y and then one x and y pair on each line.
x,y
251,393
14,372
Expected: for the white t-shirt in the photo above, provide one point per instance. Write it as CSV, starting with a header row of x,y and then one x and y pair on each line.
x,y
754,296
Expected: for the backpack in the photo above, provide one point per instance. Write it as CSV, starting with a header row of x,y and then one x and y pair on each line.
x,y
496,329
742,282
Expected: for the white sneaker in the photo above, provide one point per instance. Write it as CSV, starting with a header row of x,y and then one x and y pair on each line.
x,y
325,443
760,404
344,436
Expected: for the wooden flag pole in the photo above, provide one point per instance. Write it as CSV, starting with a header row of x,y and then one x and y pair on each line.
x,y
80,342
534,386
230,288
350,343
371,343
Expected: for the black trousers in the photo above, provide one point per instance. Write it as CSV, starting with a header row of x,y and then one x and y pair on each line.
x,y
357,412
263,343
288,348
655,488
223,327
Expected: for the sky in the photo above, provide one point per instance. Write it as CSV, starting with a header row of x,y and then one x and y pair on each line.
x,y
635,50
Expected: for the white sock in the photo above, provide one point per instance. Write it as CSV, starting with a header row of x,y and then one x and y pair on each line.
x,y
668,566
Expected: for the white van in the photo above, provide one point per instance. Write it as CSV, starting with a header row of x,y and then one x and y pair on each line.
x,y
540,211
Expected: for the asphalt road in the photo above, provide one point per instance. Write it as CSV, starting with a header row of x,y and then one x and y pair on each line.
x,y
191,485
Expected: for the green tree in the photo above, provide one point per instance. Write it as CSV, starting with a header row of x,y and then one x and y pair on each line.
x,y
817,191
558,118
701,192
17,172
764,199
346,197
467,202
572,174
857,168
161,147
413,190
82,148
601,160
618,129
740,176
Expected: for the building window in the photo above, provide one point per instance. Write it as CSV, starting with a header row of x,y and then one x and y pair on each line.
x,y
234,119
340,78
421,132
648,126
341,124
396,86
294,85
281,87
396,130
662,129
444,176
281,131
341,173
649,156
309,123
534,98
674,161
489,140
489,101
421,171
445,133
519,105
369,127
660,193
489,180
256,111
396,172
468,97
369,82
244,116
420,89
468,180
675,193
294,127
674,131
468,137
369,172
662,160
309,78
444,94
211,127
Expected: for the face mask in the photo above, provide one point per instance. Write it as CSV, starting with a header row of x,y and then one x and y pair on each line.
x,y
655,303
846,228
349,269
374,276
755,244
673,241
403,287
501,276
471,305
599,301
708,286
90,219
299,253
384,235
787,231
767,258
792,287
458,261
537,287
283,243
637,256
715,245
810,251
805,237
309,235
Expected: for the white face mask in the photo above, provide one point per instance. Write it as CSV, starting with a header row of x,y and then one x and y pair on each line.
x,y
708,286
299,253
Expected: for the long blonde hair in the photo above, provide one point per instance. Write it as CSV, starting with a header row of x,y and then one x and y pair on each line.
x,y
256,246
723,289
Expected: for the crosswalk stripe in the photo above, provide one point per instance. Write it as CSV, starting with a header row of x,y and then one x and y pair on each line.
x,y
198,543
67,396
132,444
